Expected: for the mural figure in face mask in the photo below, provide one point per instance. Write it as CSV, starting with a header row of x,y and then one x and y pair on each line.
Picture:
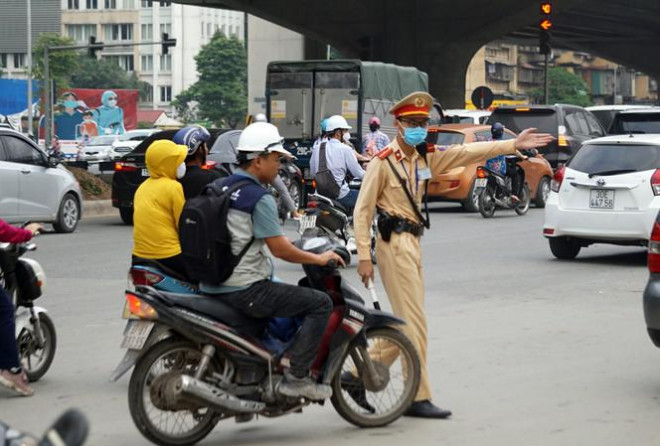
x,y
69,116
109,117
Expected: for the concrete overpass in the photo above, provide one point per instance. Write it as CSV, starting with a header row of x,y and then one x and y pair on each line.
x,y
441,36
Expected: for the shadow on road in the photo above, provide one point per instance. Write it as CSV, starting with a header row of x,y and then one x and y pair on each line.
x,y
632,259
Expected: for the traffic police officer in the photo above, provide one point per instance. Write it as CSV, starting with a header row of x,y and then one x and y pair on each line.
x,y
394,185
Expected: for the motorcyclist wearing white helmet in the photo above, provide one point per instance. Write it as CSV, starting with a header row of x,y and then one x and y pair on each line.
x,y
253,221
340,159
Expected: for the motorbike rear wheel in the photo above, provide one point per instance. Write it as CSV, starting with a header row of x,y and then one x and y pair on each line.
x,y
171,356
399,397
523,206
487,203
35,360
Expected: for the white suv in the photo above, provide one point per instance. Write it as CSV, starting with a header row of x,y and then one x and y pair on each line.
x,y
609,192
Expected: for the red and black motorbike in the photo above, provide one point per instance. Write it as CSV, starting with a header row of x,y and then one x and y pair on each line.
x,y
198,361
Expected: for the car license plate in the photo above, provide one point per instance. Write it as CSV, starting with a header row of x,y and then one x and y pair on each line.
x,y
145,172
480,182
307,222
136,334
601,199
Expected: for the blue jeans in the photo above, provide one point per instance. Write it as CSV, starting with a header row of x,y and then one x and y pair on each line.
x,y
349,201
8,347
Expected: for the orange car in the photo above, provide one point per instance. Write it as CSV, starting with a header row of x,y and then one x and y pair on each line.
x,y
458,183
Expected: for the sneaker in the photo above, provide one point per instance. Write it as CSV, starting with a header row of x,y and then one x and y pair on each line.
x,y
351,246
303,387
18,382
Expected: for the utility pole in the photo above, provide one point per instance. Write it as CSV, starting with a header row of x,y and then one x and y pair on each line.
x,y
47,103
546,81
614,86
29,66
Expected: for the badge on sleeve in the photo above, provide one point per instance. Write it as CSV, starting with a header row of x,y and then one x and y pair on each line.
x,y
424,174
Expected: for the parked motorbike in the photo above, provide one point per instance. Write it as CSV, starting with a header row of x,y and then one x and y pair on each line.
x,y
333,220
24,281
199,361
70,429
495,190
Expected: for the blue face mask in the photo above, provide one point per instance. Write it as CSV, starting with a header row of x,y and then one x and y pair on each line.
x,y
414,135
70,104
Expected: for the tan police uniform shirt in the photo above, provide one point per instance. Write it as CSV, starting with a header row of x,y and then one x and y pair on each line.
x,y
381,188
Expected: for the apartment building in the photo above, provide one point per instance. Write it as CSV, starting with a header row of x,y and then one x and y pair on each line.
x,y
513,71
141,21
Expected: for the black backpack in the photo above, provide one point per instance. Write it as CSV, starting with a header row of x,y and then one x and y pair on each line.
x,y
204,236
325,181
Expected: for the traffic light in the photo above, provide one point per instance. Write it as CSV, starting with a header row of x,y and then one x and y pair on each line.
x,y
545,26
167,43
94,46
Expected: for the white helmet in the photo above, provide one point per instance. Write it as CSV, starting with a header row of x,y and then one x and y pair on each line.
x,y
259,138
336,122
260,117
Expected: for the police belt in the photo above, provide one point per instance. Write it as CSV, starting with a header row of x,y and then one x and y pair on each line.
x,y
388,223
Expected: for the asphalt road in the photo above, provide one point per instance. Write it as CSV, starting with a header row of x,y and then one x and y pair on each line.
x,y
525,349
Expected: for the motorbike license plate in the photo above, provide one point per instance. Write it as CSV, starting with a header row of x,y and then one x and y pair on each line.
x,y
480,182
307,222
601,199
145,172
136,334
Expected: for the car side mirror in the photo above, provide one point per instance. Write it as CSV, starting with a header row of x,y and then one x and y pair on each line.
x,y
53,161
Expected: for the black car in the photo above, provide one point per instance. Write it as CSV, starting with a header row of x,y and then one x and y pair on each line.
x,y
131,170
569,124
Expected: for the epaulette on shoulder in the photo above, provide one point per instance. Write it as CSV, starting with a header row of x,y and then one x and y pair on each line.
x,y
385,153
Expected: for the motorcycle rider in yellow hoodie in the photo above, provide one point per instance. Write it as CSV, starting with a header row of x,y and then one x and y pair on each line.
x,y
157,206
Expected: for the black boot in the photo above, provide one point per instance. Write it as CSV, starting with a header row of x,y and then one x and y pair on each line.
x,y
426,409
355,389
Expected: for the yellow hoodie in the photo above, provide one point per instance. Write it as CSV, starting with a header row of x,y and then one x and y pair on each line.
x,y
158,203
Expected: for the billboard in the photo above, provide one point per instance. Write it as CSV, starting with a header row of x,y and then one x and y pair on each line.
x,y
82,113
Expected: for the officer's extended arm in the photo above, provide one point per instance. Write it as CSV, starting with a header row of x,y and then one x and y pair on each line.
x,y
461,155
372,186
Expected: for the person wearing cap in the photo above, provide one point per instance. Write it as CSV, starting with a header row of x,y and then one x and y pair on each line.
x,y
196,177
375,140
158,204
253,225
340,159
395,184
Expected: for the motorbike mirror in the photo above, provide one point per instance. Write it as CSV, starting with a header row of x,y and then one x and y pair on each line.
x,y
533,152
53,161
70,429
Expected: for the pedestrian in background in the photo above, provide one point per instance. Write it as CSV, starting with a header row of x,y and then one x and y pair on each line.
x,y
374,141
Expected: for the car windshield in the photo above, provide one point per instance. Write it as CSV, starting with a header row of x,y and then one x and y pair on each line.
x,y
445,138
102,140
636,123
544,120
605,117
615,158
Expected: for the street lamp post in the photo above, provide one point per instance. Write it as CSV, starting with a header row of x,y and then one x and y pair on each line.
x,y
29,65
47,104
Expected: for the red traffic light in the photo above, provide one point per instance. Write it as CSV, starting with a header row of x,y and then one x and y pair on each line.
x,y
546,8
545,24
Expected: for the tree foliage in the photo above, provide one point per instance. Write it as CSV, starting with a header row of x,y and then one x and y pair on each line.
x,y
564,87
220,94
93,73
61,63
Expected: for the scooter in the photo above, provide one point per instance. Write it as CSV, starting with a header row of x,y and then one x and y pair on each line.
x,y
70,429
199,361
24,280
495,190
331,218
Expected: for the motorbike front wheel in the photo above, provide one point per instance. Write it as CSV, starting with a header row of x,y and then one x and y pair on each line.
x,y
487,203
36,360
156,415
368,401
